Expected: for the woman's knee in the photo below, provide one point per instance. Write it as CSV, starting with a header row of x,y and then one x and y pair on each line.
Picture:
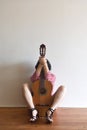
x,y
62,88
25,87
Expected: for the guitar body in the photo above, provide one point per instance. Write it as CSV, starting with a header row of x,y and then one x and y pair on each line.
x,y
42,96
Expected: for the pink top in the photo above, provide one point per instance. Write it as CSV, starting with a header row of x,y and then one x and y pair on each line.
x,y
49,76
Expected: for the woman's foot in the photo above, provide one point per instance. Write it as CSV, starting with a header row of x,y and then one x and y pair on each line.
x,y
49,115
34,115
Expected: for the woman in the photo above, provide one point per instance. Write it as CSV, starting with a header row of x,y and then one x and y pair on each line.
x,y
44,67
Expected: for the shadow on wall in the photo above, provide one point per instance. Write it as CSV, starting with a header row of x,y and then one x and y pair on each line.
x,y
12,78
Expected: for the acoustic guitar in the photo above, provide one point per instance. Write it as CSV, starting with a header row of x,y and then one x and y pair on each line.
x,y
42,88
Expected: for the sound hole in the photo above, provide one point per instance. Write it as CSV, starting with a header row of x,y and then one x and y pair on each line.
x,y
42,91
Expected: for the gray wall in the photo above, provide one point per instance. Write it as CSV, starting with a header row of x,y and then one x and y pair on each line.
x,y
62,26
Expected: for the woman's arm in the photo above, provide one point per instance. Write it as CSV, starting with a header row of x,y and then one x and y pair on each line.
x,y
48,75
44,64
36,75
38,70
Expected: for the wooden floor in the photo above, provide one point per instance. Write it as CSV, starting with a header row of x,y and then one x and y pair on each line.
x,y
64,119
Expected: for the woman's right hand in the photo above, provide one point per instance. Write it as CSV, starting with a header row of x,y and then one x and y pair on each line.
x,y
42,60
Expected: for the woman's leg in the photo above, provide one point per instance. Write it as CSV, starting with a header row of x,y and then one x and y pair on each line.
x,y
58,96
28,97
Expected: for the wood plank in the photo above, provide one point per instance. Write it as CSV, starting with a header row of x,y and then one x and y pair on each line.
x,y
64,119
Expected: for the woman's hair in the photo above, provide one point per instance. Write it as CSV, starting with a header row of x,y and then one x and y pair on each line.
x,y
48,63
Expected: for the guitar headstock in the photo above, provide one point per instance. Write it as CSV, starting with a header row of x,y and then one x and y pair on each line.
x,y
42,50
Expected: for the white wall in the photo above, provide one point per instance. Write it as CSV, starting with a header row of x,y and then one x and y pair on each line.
x,y
62,26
